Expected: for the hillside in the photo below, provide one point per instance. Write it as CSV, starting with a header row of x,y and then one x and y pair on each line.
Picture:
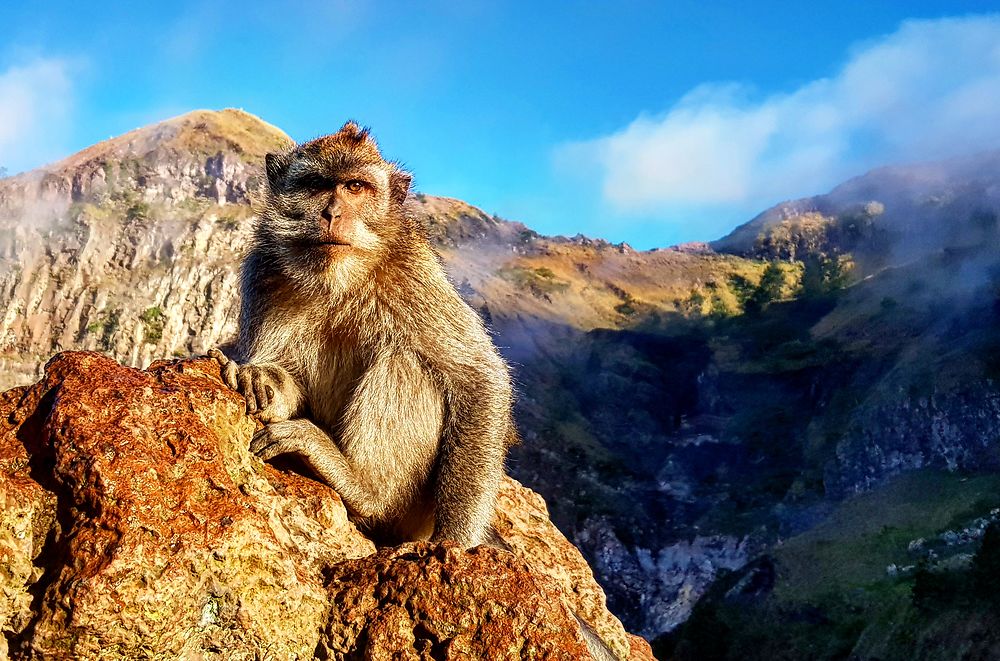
x,y
893,341
683,409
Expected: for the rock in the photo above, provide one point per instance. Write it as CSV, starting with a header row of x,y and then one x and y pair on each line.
x,y
954,429
136,523
522,520
437,602
27,514
664,584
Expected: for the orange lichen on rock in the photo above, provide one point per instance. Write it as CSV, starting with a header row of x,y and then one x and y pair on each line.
x,y
136,523
424,601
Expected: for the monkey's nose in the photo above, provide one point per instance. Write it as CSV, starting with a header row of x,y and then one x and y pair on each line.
x,y
330,213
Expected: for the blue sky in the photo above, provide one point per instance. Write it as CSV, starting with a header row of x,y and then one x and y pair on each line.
x,y
651,123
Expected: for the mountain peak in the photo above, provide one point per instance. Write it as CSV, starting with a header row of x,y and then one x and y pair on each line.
x,y
199,133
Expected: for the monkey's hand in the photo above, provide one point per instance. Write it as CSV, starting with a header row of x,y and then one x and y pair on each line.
x,y
268,389
296,437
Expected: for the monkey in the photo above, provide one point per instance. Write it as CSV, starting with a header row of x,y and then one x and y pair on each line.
x,y
361,358
357,352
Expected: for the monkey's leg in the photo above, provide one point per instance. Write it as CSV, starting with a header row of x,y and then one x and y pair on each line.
x,y
268,388
470,466
303,438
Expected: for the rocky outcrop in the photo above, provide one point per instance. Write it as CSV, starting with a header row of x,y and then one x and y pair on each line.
x,y
668,581
953,430
136,524
419,598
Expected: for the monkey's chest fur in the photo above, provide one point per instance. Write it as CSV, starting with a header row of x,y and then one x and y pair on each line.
x,y
384,412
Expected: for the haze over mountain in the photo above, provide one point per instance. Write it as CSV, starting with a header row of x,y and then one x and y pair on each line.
x,y
684,409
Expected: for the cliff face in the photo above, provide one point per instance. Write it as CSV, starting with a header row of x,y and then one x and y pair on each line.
x,y
128,247
137,524
953,430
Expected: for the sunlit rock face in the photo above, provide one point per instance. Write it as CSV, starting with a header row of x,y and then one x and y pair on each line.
x,y
131,246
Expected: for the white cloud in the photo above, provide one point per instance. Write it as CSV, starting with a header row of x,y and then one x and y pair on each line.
x,y
929,90
35,104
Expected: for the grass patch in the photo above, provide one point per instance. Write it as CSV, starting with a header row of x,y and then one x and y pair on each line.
x,y
541,282
869,532
105,327
153,320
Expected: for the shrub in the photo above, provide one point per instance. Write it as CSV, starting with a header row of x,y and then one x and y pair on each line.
x,y
153,320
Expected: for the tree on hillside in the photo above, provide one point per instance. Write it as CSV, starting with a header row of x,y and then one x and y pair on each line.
x,y
823,274
768,289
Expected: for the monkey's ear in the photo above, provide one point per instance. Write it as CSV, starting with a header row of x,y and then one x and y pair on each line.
x,y
275,166
399,185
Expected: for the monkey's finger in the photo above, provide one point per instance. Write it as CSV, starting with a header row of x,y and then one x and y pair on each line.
x,y
260,391
245,380
269,391
275,449
262,439
218,356
229,372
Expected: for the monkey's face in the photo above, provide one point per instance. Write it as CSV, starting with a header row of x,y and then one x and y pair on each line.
x,y
330,205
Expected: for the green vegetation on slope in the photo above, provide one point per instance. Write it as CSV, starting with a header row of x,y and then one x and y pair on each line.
x,y
541,282
869,583
153,321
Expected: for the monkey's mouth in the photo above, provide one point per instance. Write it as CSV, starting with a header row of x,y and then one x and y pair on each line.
x,y
326,244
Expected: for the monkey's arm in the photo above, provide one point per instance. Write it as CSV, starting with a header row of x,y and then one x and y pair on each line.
x,y
387,439
268,388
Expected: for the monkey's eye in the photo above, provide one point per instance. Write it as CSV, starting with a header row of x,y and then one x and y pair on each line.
x,y
354,186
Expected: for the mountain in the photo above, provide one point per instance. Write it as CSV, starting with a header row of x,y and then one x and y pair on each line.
x,y
685,410
131,247
128,246
889,215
